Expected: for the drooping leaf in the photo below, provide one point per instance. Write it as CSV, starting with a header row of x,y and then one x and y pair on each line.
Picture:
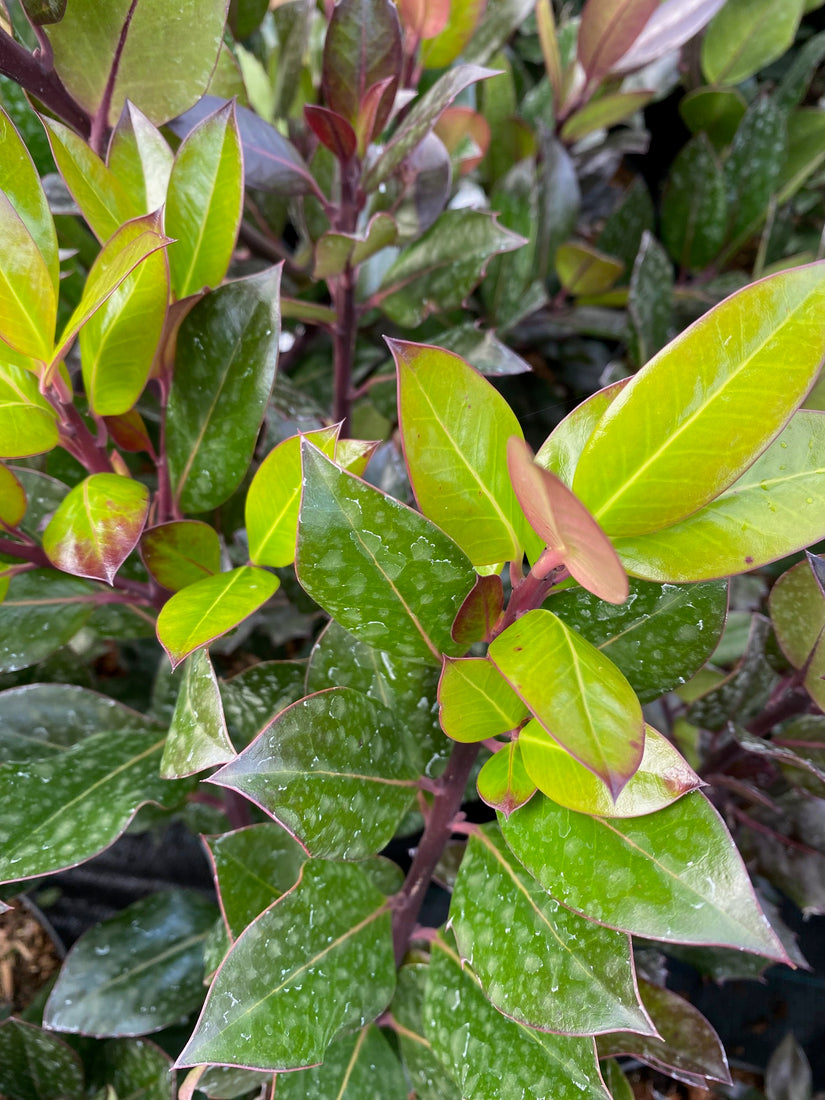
x,y
694,206
773,510
662,777
181,552
12,498
355,560
578,695
21,184
36,1065
503,782
203,209
674,875
94,790
97,526
672,414
459,475
140,158
254,867
28,301
607,30
205,610
746,35
362,1066
275,1004
197,736
41,612
797,608
476,702
439,270
253,697
182,41
227,348
502,1058
330,749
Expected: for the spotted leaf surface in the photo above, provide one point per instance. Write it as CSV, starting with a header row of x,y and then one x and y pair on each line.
x,y
674,875
42,611
36,1064
423,1067
503,782
197,736
330,771
317,962
97,526
362,1066
539,963
383,571
578,695
797,606
475,701
488,1055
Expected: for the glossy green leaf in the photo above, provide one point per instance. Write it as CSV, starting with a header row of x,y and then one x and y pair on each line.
x,y
562,449
439,270
674,875
103,199
253,868
227,347
689,1048
41,612
253,697
425,1072
476,702
36,1065
806,151
753,166
716,112
204,203
362,1066
94,790
662,777
137,972
672,413
12,498
181,41
382,570
97,526
607,30
659,638
522,944
119,341
617,1084
773,510
43,720
694,206
602,113
330,750
277,1002
21,184
28,301
181,552
203,611
650,299
578,695
134,1068
28,422
797,608
621,235
501,1059
120,256
44,494
459,475
336,251
481,611
571,534
197,734
503,782
421,119
405,689
582,269
140,158
745,36
508,288
274,498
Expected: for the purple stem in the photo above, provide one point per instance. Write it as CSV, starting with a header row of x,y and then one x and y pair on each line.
x,y
100,119
36,75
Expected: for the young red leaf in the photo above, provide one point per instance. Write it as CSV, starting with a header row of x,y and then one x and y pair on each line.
x,y
332,130
362,48
425,18
480,611
559,517
129,432
607,30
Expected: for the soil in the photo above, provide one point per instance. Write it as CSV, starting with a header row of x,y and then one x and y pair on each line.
x,y
28,957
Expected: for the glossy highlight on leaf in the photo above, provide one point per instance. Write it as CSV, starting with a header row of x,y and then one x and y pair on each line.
x,y
197,737
28,302
503,782
43,610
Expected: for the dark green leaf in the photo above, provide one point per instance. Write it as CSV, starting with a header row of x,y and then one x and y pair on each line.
x,y
41,12
806,151
137,972
278,1000
227,348
746,35
355,559
423,1068
794,83
330,772
716,112
694,206
752,168
197,737
35,1065
495,27
135,1068
482,350
42,611
788,1076
650,301
559,201
623,231
253,697
362,1066
515,200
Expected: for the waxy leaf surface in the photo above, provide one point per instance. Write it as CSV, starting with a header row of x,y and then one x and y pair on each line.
x,y
662,777
578,695
37,1065
21,184
203,208
41,612
134,1067
256,695
140,158
139,971
424,1070
501,1059
97,526
181,552
203,611
674,875
382,570
774,509
362,48
362,1066
475,701
694,206
655,457
197,733
503,782
227,349
28,300
94,790
331,772
539,963
458,473
336,251
278,1000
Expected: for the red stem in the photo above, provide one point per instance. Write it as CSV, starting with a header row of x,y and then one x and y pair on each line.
x,y
100,119
36,75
